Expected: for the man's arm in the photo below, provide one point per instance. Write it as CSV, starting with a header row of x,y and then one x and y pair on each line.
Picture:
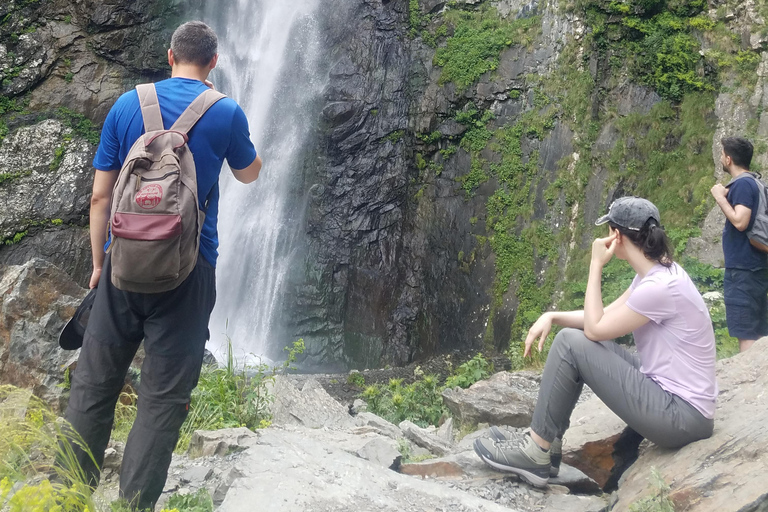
x,y
103,183
250,173
739,215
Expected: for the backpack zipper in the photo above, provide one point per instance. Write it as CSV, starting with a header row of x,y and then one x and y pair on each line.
x,y
139,178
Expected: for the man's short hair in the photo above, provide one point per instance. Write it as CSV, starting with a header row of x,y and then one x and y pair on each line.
x,y
739,149
194,42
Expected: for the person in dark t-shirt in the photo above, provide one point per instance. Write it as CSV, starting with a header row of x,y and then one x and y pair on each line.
x,y
746,268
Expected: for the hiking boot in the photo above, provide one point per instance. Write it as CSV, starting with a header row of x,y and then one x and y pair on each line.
x,y
519,455
555,451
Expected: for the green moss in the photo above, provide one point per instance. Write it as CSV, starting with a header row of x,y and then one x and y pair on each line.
x,y
58,157
414,16
429,138
80,125
16,238
395,136
8,177
474,178
477,42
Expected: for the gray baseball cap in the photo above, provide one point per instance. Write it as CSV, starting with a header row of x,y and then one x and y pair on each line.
x,y
630,212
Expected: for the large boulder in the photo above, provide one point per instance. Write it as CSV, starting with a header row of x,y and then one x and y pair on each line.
x,y
294,471
37,300
504,399
311,406
728,471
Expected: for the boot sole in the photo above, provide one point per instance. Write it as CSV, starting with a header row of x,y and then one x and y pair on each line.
x,y
526,476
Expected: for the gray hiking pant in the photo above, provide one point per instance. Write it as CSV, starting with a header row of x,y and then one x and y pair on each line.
x,y
615,377
174,327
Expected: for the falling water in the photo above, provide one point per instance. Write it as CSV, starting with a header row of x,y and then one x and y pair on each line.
x,y
269,63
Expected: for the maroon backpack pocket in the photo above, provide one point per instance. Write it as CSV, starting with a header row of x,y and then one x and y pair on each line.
x,y
146,226
146,247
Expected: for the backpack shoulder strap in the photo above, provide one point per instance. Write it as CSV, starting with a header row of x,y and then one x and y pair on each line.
x,y
196,109
150,107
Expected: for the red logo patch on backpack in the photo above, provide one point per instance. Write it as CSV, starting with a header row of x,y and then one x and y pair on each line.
x,y
149,196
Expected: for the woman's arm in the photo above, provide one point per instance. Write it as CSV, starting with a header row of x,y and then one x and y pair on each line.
x,y
605,324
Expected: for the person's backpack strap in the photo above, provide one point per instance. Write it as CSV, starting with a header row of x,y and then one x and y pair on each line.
x,y
195,110
150,107
747,174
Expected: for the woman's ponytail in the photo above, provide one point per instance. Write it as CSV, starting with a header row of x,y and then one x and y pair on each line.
x,y
651,239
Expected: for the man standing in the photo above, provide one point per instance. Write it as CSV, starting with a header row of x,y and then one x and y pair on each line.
x,y
173,324
746,268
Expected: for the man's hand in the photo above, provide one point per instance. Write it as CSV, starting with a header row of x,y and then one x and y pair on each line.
x,y
209,84
540,329
603,249
719,191
95,276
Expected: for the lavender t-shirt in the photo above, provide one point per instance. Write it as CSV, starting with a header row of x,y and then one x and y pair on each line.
x,y
677,346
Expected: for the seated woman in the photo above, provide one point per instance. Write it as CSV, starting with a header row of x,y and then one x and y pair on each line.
x,y
667,395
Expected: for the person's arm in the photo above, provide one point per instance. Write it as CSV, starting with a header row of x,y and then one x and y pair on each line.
x,y
250,173
573,319
103,183
599,324
738,215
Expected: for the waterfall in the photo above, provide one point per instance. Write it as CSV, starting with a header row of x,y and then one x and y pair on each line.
x,y
269,62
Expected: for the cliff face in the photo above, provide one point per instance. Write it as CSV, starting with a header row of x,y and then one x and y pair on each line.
x,y
464,150
469,146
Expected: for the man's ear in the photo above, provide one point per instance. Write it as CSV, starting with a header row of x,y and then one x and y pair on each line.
x,y
214,61
170,57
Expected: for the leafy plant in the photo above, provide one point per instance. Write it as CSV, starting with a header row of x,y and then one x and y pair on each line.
x,y
477,42
421,401
233,397
476,369
659,501
356,379
198,502
31,441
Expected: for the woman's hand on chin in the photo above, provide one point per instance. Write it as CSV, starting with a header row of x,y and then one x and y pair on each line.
x,y
603,249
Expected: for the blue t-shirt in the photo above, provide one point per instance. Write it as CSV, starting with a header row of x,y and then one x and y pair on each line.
x,y
738,252
222,133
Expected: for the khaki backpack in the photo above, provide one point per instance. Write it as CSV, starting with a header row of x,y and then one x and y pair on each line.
x,y
155,220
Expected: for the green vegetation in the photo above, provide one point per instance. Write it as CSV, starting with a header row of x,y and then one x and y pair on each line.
x,y
414,17
8,107
225,397
659,501
200,501
478,39
7,177
395,136
16,238
58,157
80,125
29,444
231,397
421,401
356,379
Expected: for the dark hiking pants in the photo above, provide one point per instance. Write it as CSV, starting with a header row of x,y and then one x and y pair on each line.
x,y
174,327
615,377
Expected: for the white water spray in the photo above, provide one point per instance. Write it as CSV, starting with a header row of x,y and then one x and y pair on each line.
x,y
269,63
